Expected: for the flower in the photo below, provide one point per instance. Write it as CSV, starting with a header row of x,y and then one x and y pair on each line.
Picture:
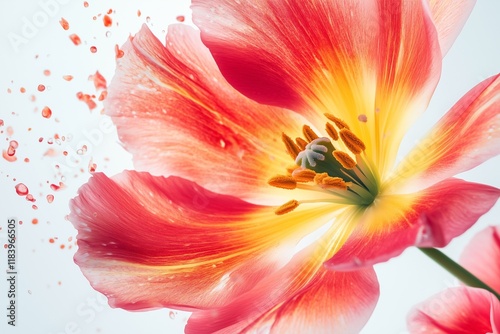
x,y
464,309
227,215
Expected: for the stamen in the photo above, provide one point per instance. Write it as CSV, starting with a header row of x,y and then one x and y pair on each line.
x,y
333,183
282,181
301,143
290,169
353,143
290,145
318,179
332,132
287,207
338,122
344,159
309,133
303,175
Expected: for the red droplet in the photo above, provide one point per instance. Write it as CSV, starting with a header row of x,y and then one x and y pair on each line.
x,y
41,88
34,207
1,122
21,189
46,112
30,198
75,39
64,23
180,18
93,49
22,90
103,95
139,13
51,240
118,53
46,72
62,246
85,4
34,221
56,187
92,167
110,11
86,98
9,158
99,81
50,198
108,22
40,139
26,159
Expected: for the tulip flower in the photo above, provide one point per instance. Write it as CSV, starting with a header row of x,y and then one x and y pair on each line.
x,y
265,154
465,309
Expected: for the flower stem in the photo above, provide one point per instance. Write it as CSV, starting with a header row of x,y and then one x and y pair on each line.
x,y
457,270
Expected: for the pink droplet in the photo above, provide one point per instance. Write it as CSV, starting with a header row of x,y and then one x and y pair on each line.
x,y
50,198
180,18
41,88
21,189
30,198
64,24
75,39
68,77
93,49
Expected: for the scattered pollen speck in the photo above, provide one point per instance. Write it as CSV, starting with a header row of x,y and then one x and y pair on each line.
x,y
362,118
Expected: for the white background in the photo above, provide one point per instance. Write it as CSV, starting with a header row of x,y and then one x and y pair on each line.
x,y
53,296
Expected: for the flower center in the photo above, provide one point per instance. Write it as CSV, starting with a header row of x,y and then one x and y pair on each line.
x,y
321,165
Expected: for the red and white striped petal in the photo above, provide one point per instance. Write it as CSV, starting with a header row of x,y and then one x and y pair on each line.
x,y
459,310
178,116
302,297
482,256
373,63
468,135
396,222
449,16
149,242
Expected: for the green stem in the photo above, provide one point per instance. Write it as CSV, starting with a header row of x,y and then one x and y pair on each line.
x,y
457,270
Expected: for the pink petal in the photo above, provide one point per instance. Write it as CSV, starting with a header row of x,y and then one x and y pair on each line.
x,y
177,115
465,137
149,242
377,59
302,297
459,310
482,256
449,16
428,221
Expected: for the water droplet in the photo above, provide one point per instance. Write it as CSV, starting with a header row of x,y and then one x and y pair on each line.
x,y
75,39
64,24
21,189
50,198
148,19
46,112
222,143
108,33
171,315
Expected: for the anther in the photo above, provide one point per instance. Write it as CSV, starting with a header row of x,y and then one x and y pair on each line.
x,y
353,143
301,143
318,179
338,122
333,183
287,207
332,132
309,133
344,159
290,145
283,181
303,175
